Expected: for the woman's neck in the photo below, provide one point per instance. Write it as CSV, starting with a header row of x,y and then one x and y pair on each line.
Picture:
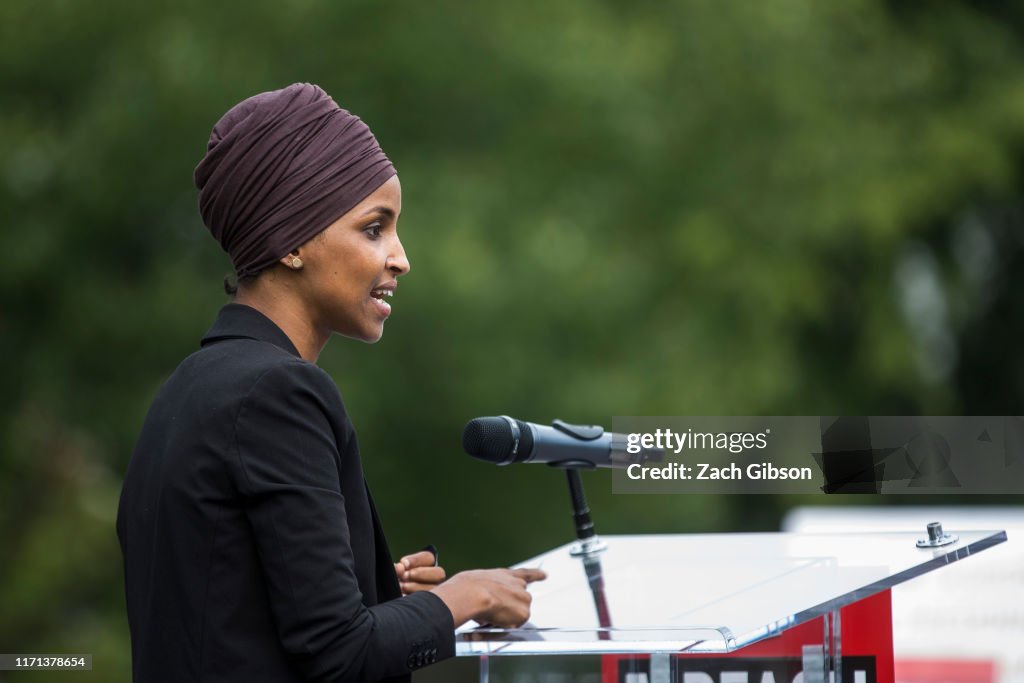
x,y
287,312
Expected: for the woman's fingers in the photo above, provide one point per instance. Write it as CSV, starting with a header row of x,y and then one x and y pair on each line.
x,y
423,558
433,575
530,574
416,572
414,587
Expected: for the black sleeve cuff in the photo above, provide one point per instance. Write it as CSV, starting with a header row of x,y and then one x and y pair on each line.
x,y
425,631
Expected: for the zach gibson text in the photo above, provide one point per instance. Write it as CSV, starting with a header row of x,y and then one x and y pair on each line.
x,y
706,471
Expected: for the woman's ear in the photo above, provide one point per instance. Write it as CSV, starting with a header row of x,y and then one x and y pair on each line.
x,y
292,261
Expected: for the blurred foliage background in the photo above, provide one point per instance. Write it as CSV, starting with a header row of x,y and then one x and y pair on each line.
x,y
612,208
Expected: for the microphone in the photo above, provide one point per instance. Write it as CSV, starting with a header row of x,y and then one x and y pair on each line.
x,y
504,440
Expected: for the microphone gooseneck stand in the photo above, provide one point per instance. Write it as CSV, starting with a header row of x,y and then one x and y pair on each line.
x,y
588,542
588,545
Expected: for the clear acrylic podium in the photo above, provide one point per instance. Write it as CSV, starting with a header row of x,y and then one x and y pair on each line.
x,y
715,608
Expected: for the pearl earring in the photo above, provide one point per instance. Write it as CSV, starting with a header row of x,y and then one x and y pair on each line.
x,y
296,263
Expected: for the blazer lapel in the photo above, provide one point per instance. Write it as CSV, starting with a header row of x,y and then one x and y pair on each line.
x,y
387,581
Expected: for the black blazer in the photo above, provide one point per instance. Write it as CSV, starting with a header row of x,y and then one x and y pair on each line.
x,y
252,550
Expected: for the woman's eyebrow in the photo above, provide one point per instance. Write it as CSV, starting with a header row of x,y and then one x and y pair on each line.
x,y
387,211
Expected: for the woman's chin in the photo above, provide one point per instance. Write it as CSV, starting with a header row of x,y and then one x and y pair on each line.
x,y
369,336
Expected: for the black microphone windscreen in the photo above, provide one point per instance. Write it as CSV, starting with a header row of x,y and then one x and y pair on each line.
x,y
491,439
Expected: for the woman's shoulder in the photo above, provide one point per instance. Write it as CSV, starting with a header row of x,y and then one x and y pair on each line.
x,y
239,369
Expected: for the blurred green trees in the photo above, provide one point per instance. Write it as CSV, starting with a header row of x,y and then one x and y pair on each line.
x,y
611,208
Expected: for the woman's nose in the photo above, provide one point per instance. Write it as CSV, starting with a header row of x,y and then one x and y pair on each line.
x,y
397,262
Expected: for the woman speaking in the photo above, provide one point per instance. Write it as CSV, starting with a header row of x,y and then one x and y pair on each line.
x,y
252,549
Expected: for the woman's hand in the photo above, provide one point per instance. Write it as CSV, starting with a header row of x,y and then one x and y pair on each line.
x,y
490,596
417,572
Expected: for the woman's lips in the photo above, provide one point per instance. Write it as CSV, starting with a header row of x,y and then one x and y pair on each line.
x,y
380,295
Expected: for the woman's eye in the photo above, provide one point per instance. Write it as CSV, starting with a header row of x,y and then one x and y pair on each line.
x,y
373,230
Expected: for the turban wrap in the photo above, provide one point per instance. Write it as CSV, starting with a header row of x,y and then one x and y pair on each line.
x,y
280,167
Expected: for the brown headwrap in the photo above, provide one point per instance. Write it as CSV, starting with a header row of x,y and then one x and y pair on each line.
x,y
280,167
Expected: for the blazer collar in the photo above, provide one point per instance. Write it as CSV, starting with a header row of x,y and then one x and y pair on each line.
x,y
238,321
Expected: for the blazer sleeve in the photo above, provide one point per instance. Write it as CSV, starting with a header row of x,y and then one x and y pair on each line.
x,y
287,473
